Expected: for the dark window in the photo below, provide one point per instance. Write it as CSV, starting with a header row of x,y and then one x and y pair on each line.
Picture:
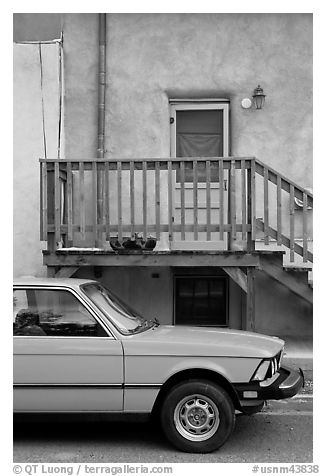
x,y
201,301
49,312
199,133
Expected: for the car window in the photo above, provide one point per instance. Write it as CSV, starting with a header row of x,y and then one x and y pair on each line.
x,y
52,312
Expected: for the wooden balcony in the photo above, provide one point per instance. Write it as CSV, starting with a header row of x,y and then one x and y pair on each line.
x,y
190,205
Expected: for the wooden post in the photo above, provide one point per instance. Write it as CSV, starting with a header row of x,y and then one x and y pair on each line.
x,y
144,166
250,208
82,201
195,199
221,180
291,223
250,307
244,199
95,202
44,201
69,205
304,228
170,203
50,271
208,199
266,208
279,210
182,199
119,179
106,210
157,201
50,205
132,199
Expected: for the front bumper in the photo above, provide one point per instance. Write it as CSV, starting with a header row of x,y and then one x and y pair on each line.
x,y
284,384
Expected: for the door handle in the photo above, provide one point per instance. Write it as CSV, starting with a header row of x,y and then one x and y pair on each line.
x,y
225,185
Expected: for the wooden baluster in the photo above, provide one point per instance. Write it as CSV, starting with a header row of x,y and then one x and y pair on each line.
x,y
100,199
107,201
253,200
57,203
82,200
208,199
233,202
170,202
69,205
291,223
244,199
221,191
132,199
279,209
251,210
266,208
94,190
119,179
157,201
195,197
182,199
144,200
44,201
304,228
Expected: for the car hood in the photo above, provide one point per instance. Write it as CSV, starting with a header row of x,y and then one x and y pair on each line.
x,y
203,341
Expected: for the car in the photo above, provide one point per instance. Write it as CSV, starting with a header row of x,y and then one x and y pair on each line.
x,y
79,349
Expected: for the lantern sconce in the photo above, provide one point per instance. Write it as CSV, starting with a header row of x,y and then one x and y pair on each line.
x,y
259,97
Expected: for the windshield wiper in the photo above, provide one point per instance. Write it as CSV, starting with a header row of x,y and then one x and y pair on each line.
x,y
147,324
155,322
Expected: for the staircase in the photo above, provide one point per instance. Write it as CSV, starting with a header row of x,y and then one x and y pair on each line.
x,y
293,269
294,278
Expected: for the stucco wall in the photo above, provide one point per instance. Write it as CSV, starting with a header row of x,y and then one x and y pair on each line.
x,y
153,57
36,111
80,33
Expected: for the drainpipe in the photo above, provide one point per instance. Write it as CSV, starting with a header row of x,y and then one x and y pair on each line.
x,y
101,85
101,122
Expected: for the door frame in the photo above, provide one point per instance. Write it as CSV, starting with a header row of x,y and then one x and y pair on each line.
x,y
202,104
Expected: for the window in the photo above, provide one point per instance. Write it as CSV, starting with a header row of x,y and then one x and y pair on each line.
x,y
52,312
201,301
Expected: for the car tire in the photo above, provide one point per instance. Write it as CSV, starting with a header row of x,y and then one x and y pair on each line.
x,y
197,416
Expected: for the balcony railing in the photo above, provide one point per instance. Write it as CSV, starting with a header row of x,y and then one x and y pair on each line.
x,y
218,201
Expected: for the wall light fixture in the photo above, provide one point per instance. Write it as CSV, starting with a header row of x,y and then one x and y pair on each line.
x,y
259,97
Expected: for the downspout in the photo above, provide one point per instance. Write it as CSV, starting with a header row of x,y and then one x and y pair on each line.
x,y
101,121
101,85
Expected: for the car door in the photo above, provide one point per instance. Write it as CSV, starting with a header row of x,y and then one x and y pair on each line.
x,y
65,359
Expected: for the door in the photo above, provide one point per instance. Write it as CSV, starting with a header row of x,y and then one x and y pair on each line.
x,y
65,360
200,129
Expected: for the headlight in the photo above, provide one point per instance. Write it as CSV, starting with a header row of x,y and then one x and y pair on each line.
x,y
268,367
262,370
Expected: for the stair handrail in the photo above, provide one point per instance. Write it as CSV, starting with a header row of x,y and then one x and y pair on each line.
x,y
295,191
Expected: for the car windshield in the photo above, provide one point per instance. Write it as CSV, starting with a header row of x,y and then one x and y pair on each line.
x,y
120,314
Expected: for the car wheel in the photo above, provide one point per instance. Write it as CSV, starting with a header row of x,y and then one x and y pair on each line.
x,y
197,416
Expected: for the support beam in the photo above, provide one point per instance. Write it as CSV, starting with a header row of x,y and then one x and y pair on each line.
x,y
66,272
250,308
238,276
159,258
50,271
